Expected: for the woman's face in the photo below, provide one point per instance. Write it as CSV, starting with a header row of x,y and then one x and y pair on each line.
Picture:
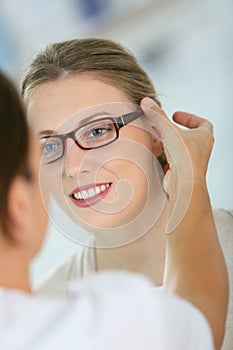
x,y
107,187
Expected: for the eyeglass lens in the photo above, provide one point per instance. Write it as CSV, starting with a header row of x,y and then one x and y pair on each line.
x,y
93,135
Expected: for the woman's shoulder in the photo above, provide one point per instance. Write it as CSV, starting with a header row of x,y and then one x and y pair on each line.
x,y
224,224
223,216
75,267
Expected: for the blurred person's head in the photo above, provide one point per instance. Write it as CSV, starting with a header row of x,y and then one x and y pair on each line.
x,y
22,216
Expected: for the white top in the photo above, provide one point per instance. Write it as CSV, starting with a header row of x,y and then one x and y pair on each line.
x,y
116,311
80,265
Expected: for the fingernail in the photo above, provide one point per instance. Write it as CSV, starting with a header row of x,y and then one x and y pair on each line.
x,y
147,103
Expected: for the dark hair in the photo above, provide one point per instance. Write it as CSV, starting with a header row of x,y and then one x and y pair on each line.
x,y
14,137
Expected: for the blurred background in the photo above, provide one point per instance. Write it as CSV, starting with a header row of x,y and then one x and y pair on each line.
x,y
186,46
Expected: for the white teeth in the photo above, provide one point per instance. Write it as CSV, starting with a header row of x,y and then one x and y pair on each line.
x,y
102,188
97,190
84,194
77,195
91,192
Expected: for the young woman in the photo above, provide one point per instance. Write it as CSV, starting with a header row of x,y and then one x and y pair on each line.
x,y
108,311
101,128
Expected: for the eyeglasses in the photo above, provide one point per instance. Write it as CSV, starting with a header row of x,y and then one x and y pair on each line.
x,y
95,134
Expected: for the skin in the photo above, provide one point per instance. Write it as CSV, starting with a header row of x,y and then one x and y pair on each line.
x,y
47,108
195,267
27,225
188,271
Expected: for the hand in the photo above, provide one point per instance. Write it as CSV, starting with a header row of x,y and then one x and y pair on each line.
x,y
195,268
187,152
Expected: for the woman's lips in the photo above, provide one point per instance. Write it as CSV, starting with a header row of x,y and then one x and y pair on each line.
x,y
89,195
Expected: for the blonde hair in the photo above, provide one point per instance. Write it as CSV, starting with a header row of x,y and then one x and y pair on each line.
x,y
105,59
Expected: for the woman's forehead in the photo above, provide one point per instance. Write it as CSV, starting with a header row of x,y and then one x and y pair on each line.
x,y
79,88
50,105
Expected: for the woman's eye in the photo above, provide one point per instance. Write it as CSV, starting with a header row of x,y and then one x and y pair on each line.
x,y
95,134
50,147
98,132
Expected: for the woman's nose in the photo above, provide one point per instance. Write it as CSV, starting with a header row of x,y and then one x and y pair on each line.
x,y
74,160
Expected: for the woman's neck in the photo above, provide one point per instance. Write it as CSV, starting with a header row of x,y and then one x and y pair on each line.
x,y
145,255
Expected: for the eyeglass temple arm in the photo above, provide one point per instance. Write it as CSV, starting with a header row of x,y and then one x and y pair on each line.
x,y
129,117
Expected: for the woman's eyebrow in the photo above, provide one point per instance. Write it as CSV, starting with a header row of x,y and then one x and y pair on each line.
x,y
81,122
94,115
46,132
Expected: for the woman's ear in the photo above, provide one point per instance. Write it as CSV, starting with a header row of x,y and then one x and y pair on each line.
x,y
18,208
157,147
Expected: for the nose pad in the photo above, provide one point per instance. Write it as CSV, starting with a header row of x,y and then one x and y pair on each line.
x,y
74,160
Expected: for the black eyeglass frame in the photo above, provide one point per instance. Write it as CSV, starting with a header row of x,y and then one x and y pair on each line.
x,y
118,123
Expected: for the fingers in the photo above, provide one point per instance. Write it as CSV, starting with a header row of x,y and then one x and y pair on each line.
x,y
188,120
187,153
192,121
147,104
161,125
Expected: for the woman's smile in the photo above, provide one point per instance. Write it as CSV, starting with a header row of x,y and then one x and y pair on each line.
x,y
90,194
113,182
